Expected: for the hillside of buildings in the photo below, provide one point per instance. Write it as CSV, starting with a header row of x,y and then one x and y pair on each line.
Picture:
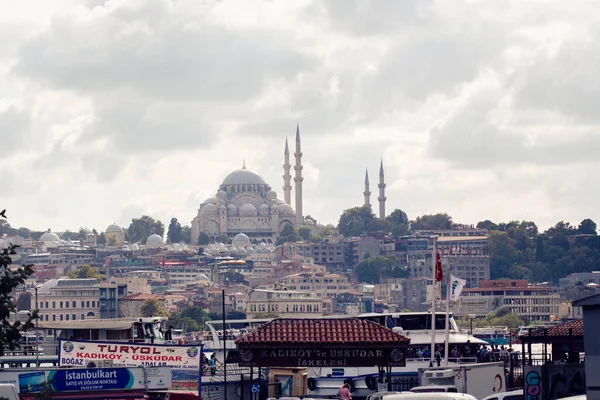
x,y
364,264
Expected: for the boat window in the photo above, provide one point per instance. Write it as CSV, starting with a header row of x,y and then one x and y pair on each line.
x,y
514,397
453,390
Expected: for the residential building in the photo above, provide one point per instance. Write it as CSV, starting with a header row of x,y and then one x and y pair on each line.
x,y
566,310
580,278
535,303
284,303
321,284
472,268
409,294
69,299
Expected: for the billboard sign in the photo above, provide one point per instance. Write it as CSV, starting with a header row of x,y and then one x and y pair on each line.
x,y
184,361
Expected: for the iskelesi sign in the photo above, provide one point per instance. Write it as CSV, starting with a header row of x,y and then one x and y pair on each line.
x,y
184,361
321,357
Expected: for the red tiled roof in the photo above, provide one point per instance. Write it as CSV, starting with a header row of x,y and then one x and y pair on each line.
x,y
347,331
562,329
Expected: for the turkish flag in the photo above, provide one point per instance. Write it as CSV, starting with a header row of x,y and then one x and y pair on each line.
x,y
439,274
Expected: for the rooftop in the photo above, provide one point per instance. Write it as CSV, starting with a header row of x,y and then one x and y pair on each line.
x,y
576,327
321,331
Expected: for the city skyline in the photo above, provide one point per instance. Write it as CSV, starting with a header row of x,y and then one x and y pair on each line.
x,y
113,110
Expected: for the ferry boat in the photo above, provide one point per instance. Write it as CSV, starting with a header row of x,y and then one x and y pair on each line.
x,y
493,335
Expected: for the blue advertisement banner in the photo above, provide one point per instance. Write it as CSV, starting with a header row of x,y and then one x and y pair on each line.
x,y
91,379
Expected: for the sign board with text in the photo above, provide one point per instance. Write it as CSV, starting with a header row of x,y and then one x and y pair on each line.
x,y
184,361
72,380
322,357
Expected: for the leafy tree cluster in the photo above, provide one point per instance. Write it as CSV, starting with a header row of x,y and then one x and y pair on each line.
x,y
501,317
141,228
174,233
85,272
378,269
288,234
153,308
518,251
191,319
11,278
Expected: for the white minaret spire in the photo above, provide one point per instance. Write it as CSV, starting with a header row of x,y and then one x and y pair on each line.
x,y
287,187
367,192
298,178
381,197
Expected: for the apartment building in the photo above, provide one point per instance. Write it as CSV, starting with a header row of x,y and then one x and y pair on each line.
x,y
284,303
409,294
321,284
69,300
535,303
472,268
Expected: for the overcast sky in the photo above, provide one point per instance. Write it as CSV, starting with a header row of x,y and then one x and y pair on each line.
x,y
114,109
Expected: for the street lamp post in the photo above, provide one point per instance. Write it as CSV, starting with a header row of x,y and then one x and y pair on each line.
x,y
471,318
37,335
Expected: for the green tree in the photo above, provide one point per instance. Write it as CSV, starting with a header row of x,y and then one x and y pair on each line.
x,y
376,269
203,239
354,221
85,272
222,238
587,227
398,217
288,234
5,228
503,254
141,228
68,235
304,233
431,222
487,224
10,279
101,239
325,231
174,231
186,234
153,308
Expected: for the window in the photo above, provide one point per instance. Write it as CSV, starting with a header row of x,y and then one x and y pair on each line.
x,y
82,316
74,304
42,304
87,304
66,304
53,317
60,304
74,317
93,304
67,316
82,304
61,317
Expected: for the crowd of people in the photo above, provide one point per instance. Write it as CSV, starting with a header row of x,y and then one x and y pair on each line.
x,y
478,353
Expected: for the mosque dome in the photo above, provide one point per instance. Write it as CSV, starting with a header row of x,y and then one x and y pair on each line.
x,y
241,240
247,210
221,195
271,195
114,228
249,250
154,240
243,177
135,246
308,221
263,210
241,250
209,209
201,277
232,249
232,210
210,200
49,237
286,210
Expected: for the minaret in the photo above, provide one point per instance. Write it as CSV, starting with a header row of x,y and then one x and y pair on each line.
x,y
298,179
381,197
367,193
287,187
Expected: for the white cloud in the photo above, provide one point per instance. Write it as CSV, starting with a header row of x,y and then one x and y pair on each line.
x,y
120,108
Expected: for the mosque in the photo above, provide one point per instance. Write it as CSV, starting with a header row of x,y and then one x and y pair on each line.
x,y
246,204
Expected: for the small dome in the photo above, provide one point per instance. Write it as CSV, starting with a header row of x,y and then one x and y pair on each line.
x,y
232,249
247,210
221,195
308,221
210,200
232,210
49,237
222,207
211,246
241,240
154,240
114,228
243,177
201,277
263,210
209,209
271,195
135,246
286,210
241,250
221,247
262,245
249,250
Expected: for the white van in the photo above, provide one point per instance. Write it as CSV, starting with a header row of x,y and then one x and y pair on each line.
x,y
8,391
516,394
428,396
434,389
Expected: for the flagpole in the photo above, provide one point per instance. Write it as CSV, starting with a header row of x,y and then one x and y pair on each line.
x,y
448,290
434,294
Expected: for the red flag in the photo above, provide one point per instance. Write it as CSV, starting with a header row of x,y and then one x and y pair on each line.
x,y
439,274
